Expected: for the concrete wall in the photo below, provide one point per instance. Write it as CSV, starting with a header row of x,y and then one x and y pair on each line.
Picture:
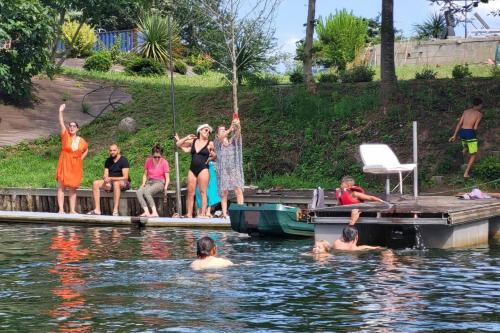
x,y
438,52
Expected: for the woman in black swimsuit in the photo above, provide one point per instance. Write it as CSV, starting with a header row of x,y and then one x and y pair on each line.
x,y
202,150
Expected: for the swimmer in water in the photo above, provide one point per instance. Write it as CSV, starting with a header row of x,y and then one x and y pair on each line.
x,y
206,252
349,239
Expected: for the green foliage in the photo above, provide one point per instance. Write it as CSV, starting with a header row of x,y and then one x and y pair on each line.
x,y
342,37
426,74
200,70
180,67
488,168
461,72
155,30
433,27
261,80
83,42
201,59
362,73
297,75
495,71
145,67
100,61
127,58
30,28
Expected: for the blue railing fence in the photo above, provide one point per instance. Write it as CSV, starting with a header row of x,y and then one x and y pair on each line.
x,y
130,39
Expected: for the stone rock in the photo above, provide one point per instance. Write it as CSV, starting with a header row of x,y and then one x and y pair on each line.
x,y
128,125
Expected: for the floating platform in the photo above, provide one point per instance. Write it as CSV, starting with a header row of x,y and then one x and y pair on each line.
x,y
427,221
108,220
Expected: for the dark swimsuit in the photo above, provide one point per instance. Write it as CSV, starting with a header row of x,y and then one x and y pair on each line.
x,y
199,159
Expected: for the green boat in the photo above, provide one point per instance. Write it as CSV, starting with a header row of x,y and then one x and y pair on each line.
x,y
270,220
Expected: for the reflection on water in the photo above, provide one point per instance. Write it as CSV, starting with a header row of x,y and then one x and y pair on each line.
x,y
73,279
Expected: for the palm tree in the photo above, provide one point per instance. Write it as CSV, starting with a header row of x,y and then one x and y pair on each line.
x,y
387,67
308,48
433,27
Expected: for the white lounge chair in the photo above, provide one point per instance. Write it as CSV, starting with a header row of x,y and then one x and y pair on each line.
x,y
380,159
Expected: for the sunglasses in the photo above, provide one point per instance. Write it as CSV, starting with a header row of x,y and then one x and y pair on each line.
x,y
156,157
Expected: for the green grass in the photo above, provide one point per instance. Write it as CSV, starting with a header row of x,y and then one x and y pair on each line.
x,y
291,139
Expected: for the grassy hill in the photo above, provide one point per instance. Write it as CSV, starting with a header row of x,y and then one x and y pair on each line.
x,y
291,139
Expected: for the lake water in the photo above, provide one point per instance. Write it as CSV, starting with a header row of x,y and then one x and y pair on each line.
x,y
75,279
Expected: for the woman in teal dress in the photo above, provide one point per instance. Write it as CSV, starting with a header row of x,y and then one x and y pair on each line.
x,y
212,191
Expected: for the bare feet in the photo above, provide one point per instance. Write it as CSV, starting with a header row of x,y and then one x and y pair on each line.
x,y
73,212
145,214
61,212
154,215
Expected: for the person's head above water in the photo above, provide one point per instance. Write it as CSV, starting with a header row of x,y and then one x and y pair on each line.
x,y
205,247
321,246
350,234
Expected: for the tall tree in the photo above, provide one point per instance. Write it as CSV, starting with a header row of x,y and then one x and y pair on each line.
x,y
308,47
387,67
239,23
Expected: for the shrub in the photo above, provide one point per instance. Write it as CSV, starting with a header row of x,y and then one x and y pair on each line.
x,y
361,73
180,67
488,168
297,75
83,43
100,61
495,71
200,70
328,78
127,58
262,79
204,60
145,67
426,74
461,72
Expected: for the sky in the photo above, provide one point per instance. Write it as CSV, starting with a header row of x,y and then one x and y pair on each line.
x,y
292,14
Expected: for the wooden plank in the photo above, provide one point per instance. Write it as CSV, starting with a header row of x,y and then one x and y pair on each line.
x,y
186,222
36,217
382,220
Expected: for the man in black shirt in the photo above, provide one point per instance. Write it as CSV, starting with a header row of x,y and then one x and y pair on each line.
x,y
116,179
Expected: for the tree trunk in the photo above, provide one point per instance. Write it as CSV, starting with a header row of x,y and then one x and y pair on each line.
x,y
68,50
308,45
387,67
62,15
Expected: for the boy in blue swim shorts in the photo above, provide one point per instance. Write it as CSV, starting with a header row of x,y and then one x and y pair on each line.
x,y
466,127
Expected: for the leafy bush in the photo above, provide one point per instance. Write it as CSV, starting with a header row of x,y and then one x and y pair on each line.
x,y
488,168
127,58
495,71
461,72
262,80
200,70
180,67
84,41
155,30
204,60
328,78
145,67
426,74
360,73
297,75
30,24
342,36
100,61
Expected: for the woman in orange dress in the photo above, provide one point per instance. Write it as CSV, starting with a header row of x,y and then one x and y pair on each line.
x,y
69,173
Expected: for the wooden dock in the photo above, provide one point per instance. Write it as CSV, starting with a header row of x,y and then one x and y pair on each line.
x,y
24,217
440,222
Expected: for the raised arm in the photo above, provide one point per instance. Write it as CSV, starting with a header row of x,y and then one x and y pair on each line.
x,y
457,128
61,118
185,143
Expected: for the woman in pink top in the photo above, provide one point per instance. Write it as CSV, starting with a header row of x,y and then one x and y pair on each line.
x,y
154,180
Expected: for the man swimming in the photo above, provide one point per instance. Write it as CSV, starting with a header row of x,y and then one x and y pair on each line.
x,y
349,239
206,251
467,125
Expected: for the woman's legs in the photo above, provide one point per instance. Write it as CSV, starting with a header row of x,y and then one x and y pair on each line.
x,y
223,203
150,190
60,198
72,200
190,193
203,178
142,202
239,195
